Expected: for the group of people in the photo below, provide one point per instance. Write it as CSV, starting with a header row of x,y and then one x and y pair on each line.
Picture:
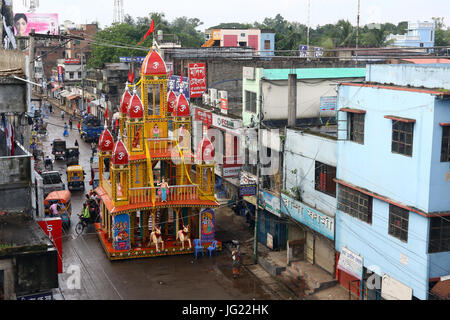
x,y
91,207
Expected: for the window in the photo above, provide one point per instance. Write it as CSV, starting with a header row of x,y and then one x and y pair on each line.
x,y
439,234
356,127
71,75
267,44
324,179
79,74
402,137
355,203
250,101
398,222
445,149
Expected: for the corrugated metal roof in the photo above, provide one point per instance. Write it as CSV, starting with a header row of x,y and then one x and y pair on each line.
x,y
314,73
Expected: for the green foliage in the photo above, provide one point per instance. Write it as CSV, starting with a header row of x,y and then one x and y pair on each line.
x,y
442,34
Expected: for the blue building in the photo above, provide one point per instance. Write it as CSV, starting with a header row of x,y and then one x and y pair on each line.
x,y
419,34
267,44
393,175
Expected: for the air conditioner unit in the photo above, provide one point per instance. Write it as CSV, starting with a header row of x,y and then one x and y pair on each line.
x,y
205,98
212,93
223,94
216,103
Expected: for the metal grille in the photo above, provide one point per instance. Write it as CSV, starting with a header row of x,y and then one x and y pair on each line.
x,y
355,203
402,137
445,150
439,234
356,127
398,222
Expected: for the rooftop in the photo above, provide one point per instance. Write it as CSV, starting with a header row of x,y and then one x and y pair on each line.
x,y
314,73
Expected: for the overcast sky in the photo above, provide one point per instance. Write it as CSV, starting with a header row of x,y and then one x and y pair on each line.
x,y
213,12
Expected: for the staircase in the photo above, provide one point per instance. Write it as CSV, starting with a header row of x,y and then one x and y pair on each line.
x,y
305,279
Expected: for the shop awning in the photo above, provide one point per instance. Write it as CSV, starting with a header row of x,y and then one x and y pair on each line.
x,y
64,93
73,97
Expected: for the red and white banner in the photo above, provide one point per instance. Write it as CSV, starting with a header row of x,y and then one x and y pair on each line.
x,y
197,79
203,116
53,229
224,106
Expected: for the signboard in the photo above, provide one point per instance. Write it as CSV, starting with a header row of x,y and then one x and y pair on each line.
x,y
197,79
351,263
134,59
303,51
318,52
203,116
40,22
310,217
121,232
392,289
207,225
249,73
53,229
269,202
178,88
38,296
328,103
226,123
231,172
247,190
269,242
224,106
72,61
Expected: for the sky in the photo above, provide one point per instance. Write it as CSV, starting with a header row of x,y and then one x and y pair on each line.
x,y
213,12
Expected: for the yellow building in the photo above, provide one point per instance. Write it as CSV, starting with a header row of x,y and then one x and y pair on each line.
x,y
148,189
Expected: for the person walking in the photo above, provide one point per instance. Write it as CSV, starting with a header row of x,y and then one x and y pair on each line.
x,y
79,127
50,106
66,130
62,114
236,256
76,143
70,123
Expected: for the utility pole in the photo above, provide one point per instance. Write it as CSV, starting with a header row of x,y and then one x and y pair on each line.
x,y
31,54
82,80
357,33
258,173
307,32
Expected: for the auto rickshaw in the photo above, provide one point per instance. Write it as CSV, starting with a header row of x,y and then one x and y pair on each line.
x,y
62,198
75,177
72,155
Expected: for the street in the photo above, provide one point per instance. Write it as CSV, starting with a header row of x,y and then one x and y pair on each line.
x,y
172,277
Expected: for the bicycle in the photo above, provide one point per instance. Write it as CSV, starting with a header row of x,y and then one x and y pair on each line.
x,y
84,223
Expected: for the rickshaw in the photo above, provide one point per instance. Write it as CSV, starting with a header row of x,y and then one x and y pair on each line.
x,y
72,155
75,178
62,198
59,149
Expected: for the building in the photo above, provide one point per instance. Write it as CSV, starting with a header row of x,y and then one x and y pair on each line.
x,y
262,41
148,188
392,230
419,34
308,197
271,85
80,49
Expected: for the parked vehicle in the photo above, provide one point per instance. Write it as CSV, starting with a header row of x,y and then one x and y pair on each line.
x,y
91,128
52,182
59,149
72,155
75,178
63,199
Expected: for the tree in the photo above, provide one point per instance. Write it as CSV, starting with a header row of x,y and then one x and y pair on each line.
x,y
442,34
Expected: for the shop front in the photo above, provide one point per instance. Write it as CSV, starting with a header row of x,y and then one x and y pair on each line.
x,y
313,231
271,225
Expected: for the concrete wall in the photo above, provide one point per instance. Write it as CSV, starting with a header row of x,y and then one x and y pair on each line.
x,y
383,251
252,86
372,165
13,95
301,151
414,75
12,59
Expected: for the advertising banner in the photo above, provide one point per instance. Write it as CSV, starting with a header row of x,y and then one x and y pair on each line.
x,y
328,103
121,228
207,225
231,171
178,88
203,116
247,190
351,263
224,106
129,59
197,79
270,203
310,217
40,22
53,229
60,74
392,289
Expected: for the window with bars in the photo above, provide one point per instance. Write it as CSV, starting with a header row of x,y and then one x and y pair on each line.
x,y
445,149
439,234
398,222
402,137
324,176
266,44
250,101
355,203
356,127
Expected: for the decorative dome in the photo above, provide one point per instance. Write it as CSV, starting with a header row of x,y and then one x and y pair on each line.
x,y
153,65
120,153
182,107
135,108
126,97
171,101
106,141
205,151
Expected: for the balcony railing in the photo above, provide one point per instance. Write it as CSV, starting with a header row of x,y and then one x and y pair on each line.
x,y
176,193
161,145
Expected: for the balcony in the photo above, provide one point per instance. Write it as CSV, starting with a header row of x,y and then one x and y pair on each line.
x,y
179,194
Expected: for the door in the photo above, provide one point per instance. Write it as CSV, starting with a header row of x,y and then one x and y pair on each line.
x,y
253,41
230,40
324,254
309,247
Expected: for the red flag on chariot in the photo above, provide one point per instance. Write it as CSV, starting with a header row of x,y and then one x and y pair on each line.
x,y
150,30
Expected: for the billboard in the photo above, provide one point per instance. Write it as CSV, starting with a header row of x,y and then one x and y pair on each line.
x,y
40,22
178,87
53,229
197,79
